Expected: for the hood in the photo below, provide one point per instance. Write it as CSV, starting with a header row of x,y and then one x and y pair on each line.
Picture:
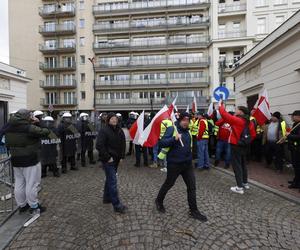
x,y
20,118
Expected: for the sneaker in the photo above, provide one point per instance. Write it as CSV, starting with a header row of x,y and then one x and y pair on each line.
x,y
246,186
198,216
237,190
160,207
154,165
121,209
38,210
165,170
24,209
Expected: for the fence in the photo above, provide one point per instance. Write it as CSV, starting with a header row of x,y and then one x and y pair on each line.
x,y
7,203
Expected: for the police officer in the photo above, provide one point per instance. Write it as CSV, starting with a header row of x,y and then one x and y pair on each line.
x,y
49,148
294,146
87,136
179,162
68,135
39,115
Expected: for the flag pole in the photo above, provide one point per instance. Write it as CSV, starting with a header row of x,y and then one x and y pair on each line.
x,y
176,130
284,138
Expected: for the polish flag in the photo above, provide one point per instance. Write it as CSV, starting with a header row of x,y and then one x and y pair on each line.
x,y
210,110
137,129
194,105
151,133
262,112
172,107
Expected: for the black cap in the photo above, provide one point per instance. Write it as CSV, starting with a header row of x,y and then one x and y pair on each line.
x,y
296,113
277,115
184,115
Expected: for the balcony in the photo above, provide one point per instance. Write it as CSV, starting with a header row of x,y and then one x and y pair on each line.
x,y
153,83
57,11
58,102
46,67
202,101
147,45
131,27
57,29
136,64
235,8
143,7
58,48
59,84
232,34
229,65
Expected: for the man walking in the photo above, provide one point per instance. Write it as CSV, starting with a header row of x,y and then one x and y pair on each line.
x,y
179,162
23,140
111,145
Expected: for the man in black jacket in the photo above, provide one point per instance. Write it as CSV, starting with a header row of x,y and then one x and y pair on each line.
x,y
294,146
111,145
179,162
23,140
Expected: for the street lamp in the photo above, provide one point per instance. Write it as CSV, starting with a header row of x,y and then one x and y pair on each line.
x,y
92,60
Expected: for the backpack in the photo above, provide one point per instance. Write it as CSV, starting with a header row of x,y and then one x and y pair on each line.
x,y
245,138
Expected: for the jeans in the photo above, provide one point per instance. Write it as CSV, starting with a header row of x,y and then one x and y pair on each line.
x,y
155,152
203,157
187,173
238,161
223,146
110,187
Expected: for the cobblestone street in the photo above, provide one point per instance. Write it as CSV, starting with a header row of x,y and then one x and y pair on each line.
x,y
77,219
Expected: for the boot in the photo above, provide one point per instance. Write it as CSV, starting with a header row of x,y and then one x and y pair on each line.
x,y
160,206
198,216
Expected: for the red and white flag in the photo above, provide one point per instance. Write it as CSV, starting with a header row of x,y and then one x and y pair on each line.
x,y
151,133
194,105
188,109
137,128
210,110
262,112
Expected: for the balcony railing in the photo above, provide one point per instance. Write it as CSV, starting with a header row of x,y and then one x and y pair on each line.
x,y
147,44
229,65
201,100
58,47
159,101
136,63
157,5
232,34
58,102
58,83
57,11
57,66
64,29
126,26
236,7
153,82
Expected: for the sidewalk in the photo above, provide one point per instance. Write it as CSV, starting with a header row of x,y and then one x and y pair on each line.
x,y
269,177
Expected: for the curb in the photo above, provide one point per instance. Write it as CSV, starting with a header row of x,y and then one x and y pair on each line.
x,y
284,195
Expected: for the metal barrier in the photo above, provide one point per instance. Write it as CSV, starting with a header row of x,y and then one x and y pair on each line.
x,y
7,201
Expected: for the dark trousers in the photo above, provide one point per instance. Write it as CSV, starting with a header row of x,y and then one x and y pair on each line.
x,y
274,153
138,153
296,165
90,155
257,149
195,147
238,162
187,173
110,188
66,159
52,167
130,147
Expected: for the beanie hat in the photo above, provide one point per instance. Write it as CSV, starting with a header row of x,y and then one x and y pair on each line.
x,y
184,115
277,115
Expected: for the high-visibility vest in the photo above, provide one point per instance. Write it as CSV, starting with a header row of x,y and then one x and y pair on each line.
x,y
283,128
206,132
258,128
216,130
164,151
163,127
195,128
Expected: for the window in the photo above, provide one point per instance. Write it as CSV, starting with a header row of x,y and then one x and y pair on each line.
x,y
260,3
49,26
82,95
222,32
81,23
82,59
280,2
81,41
68,61
69,98
143,95
261,25
279,20
68,79
68,43
50,80
51,62
81,5
51,98
82,77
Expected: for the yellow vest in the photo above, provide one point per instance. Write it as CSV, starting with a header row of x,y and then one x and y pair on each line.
x,y
283,128
163,127
195,128
206,132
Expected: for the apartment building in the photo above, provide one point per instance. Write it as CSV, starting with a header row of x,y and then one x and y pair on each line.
x,y
141,53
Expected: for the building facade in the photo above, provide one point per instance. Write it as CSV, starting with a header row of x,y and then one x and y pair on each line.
x,y
13,90
135,55
274,65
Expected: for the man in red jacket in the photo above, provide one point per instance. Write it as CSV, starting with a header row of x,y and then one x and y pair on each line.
x,y
239,121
